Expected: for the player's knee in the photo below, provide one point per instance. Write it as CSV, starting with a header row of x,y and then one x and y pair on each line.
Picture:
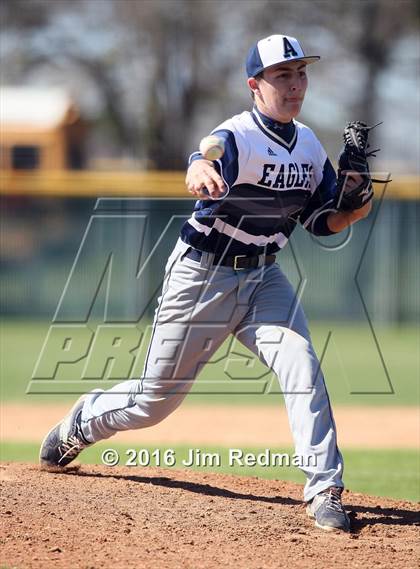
x,y
154,409
288,352
279,339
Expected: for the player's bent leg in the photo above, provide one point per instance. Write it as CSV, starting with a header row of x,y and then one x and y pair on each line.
x,y
177,352
127,406
176,355
196,313
133,404
190,324
100,414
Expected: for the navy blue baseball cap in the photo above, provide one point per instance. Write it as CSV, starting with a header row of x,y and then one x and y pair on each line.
x,y
274,50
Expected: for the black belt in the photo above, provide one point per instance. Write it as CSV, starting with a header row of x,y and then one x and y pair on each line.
x,y
238,262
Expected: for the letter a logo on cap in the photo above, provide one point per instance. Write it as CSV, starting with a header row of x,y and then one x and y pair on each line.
x,y
289,50
273,50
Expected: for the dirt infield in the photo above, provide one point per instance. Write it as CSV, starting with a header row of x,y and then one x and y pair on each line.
x,y
360,427
155,518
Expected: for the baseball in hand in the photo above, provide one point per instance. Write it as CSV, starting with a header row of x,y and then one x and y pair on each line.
x,y
212,147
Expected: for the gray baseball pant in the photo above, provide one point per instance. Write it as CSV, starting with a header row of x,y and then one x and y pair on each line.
x,y
199,307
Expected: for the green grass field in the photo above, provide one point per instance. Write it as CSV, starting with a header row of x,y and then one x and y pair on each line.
x,y
392,473
357,373
352,365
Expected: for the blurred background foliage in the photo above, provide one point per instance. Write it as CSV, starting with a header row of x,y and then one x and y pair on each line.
x,y
155,76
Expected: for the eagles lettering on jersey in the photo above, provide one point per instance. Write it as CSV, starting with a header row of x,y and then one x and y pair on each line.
x,y
276,175
290,175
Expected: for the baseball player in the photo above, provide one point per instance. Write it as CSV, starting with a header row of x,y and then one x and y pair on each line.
x,y
222,278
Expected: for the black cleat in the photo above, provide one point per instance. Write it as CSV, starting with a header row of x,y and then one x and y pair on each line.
x,y
65,441
328,511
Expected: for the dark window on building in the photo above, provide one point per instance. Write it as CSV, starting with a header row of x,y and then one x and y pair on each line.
x,y
75,157
25,157
3,157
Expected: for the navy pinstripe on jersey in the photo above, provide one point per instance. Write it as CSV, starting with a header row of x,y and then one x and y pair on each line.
x,y
276,176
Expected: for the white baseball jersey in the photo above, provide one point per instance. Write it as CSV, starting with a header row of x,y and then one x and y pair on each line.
x,y
276,175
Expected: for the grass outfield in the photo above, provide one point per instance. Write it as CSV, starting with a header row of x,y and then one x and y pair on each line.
x,y
357,373
391,473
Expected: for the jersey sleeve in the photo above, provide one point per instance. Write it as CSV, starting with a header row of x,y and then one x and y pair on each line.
x,y
322,202
227,165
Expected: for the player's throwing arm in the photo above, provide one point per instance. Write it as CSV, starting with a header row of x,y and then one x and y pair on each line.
x,y
202,180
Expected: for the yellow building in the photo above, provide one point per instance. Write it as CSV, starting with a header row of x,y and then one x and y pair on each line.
x,y
40,129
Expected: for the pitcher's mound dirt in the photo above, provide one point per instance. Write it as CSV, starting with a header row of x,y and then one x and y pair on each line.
x,y
153,518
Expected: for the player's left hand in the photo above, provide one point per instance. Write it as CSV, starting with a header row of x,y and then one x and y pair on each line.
x,y
354,180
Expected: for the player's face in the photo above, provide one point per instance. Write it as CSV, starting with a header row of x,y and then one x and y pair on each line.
x,y
279,93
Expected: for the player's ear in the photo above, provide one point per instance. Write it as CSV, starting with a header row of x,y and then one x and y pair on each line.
x,y
253,85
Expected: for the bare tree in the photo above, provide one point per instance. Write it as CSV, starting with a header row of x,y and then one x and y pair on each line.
x,y
179,35
158,63
375,28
